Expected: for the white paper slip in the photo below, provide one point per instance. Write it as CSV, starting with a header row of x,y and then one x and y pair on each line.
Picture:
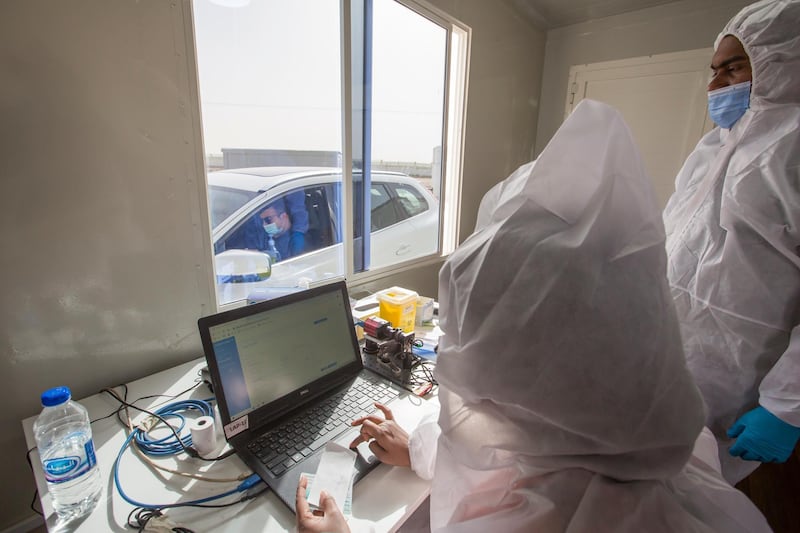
x,y
347,510
334,474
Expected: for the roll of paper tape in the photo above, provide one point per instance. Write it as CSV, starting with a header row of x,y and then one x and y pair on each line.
x,y
204,436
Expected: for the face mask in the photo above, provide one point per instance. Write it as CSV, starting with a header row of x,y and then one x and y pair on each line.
x,y
271,229
728,104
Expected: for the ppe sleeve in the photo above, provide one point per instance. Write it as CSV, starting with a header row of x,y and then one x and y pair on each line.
x,y
296,206
422,444
707,451
779,391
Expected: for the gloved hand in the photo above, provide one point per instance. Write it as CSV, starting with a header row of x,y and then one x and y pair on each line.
x,y
762,436
297,243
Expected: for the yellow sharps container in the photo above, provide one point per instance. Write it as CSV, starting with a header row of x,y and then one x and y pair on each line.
x,y
398,306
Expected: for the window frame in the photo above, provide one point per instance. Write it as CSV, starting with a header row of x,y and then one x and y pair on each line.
x,y
457,58
455,92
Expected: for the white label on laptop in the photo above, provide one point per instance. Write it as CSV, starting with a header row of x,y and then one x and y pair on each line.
x,y
237,426
334,474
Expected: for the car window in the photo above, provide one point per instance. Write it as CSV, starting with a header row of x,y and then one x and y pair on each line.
x,y
300,219
224,201
384,212
322,212
411,200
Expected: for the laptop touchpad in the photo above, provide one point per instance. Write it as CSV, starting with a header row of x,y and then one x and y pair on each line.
x,y
364,453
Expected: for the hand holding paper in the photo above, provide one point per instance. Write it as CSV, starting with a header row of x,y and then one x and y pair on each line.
x,y
334,474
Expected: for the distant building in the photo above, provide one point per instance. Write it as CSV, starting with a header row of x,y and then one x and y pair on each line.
x,y
267,157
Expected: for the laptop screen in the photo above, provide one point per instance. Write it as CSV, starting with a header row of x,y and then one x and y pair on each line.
x,y
267,355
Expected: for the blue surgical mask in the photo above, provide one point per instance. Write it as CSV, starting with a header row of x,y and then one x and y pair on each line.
x,y
728,104
271,229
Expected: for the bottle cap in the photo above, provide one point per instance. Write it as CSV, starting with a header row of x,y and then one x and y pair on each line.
x,y
56,396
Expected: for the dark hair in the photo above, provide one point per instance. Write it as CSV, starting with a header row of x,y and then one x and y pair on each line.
x,y
278,205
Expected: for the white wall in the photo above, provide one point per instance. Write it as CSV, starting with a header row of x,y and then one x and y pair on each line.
x,y
505,77
104,233
684,25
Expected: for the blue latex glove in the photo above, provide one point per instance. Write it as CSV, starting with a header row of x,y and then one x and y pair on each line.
x,y
762,436
297,243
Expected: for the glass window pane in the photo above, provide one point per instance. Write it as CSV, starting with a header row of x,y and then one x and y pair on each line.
x,y
412,202
270,90
270,85
383,212
224,202
409,58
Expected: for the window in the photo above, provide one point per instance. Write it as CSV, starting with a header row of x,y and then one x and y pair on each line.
x,y
412,202
293,130
383,210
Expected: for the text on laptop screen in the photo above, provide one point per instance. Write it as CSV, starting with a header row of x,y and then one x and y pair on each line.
x,y
265,356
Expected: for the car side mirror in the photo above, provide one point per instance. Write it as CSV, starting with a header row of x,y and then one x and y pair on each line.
x,y
242,266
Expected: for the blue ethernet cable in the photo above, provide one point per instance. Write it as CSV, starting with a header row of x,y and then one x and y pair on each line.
x,y
171,445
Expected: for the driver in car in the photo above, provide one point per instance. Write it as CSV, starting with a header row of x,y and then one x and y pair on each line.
x,y
287,227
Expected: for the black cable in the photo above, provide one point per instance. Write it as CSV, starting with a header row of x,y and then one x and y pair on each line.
x,y
421,371
35,492
171,397
144,515
116,411
122,407
33,503
188,449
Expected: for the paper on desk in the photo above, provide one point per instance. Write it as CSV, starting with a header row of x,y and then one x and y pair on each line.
x,y
334,474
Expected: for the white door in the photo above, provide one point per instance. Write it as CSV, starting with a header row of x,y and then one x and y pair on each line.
x,y
663,100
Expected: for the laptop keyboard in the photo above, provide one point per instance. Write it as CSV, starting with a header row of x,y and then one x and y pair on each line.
x,y
297,438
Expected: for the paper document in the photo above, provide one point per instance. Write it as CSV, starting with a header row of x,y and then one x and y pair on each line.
x,y
334,475
347,510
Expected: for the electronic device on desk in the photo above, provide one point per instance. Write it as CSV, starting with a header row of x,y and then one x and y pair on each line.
x,y
388,351
205,377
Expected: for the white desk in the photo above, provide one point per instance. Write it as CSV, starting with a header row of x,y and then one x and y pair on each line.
x,y
387,496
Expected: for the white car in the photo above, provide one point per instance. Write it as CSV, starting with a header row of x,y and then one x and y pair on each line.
x,y
404,221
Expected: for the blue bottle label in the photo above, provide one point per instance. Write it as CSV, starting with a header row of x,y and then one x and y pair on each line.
x,y
63,469
60,467
90,458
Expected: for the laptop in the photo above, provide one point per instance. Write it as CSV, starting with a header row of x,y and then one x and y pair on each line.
x,y
288,377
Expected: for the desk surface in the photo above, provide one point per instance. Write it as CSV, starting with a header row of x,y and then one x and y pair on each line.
x,y
386,497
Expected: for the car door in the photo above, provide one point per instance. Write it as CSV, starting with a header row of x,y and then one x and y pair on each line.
x,y
403,223
240,244
422,212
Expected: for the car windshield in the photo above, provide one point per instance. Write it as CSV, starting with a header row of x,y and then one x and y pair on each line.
x,y
224,202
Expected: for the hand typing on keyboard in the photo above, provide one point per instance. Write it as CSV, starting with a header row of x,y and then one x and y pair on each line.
x,y
387,440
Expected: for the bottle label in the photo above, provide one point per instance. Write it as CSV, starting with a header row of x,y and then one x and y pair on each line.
x,y
63,469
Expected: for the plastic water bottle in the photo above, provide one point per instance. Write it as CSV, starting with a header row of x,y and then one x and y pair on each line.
x,y
272,251
64,437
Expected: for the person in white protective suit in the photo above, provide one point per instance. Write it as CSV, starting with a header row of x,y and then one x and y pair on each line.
x,y
566,404
733,241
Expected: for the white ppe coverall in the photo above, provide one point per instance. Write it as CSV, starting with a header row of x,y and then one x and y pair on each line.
x,y
733,238
566,404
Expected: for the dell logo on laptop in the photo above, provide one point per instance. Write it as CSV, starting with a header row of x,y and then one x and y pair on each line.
x,y
303,392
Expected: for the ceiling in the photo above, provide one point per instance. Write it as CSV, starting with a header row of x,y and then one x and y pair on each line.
x,y
547,14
